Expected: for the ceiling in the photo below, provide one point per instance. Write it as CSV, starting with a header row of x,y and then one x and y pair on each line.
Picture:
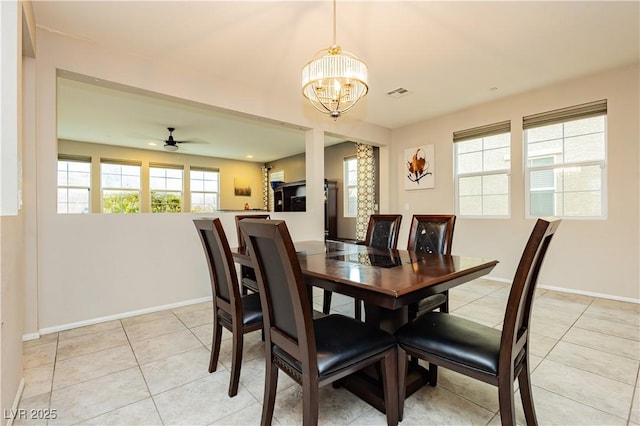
x,y
449,55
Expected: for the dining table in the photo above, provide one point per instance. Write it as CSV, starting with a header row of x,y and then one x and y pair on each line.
x,y
387,281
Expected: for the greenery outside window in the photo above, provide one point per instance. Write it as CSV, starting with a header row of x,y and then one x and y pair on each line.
x,y
482,168
350,187
74,184
120,187
204,190
565,167
165,183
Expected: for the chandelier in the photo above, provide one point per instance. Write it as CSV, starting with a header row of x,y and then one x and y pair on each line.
x,y
334,80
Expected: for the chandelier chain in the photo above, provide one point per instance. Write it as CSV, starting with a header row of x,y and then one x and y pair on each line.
x,y
334,23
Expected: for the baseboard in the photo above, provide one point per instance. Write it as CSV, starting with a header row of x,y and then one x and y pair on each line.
x,y
30,336
591,294
16,403
492,278
573,291
69,326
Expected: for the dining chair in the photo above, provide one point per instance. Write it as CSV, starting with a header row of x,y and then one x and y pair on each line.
x,y
313,352
382,232
479,351
247,276
431,233
231,310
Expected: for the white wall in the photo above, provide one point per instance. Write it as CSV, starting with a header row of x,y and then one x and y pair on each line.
x,y
94,267
91,267
588,256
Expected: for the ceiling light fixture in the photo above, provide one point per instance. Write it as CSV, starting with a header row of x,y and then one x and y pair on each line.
x,y
334,80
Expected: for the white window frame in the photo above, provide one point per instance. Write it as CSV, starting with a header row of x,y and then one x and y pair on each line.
x,y
204,192
67,187
346,203
476,133
562,116
163,190
123,189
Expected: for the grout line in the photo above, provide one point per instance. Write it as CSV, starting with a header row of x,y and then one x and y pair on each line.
x,y
146,383
634,394
578,402
546,357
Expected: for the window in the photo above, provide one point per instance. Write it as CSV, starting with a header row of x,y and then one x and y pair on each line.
x,y
120,187
565,152
482,167
165,183
204,190
74,184
350,187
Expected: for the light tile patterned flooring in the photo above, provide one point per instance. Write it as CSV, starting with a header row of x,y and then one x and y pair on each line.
x,y
152,370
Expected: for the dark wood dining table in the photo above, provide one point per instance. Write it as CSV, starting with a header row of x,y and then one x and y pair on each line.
x,y
387,281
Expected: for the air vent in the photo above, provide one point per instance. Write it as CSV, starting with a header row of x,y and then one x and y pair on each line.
x,y
399,92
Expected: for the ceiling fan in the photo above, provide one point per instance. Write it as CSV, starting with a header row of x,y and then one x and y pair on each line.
x,y
170,144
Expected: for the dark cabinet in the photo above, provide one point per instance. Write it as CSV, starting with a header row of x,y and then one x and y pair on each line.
x,y
330,209
290,197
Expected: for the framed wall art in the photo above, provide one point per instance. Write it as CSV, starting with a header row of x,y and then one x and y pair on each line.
x,y
241,187
418,167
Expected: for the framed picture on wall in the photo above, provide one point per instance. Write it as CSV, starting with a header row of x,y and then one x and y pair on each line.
x,y
418,167
241,187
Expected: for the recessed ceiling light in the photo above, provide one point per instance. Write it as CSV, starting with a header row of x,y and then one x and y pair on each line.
x,y
151,143
249,156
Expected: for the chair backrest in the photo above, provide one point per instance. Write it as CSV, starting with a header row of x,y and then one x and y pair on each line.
x,y
239,217
286,308
383,230
431,233
224,281
515,328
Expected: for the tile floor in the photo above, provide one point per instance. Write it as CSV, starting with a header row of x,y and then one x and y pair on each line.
x,y
152,370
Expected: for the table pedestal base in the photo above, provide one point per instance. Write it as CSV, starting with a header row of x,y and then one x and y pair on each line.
x,y
368,386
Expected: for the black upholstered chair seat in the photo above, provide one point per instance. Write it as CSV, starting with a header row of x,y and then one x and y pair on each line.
x,y
356,343
250,283
251,310
428,304
455,339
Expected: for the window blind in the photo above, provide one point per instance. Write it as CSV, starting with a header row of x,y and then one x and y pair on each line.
x,y
482,131
121,162
78,158
590,109
167,166
204,169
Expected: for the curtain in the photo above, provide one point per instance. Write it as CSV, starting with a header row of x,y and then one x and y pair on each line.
x,y
366,188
